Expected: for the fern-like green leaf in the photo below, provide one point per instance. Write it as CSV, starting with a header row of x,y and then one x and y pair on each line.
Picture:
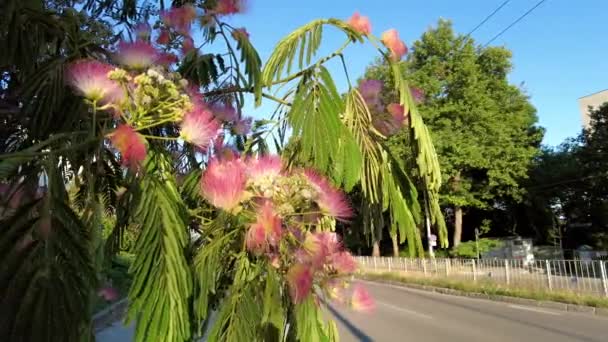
x,y
357,119
240,313
274,313
253,65
426,156
303,43
315,118
162,283
46,275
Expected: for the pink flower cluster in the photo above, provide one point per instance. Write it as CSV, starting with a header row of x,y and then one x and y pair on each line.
x,y
390,38
281,207
89,78
130,144
360,24
136,55
388,119
396,46
227,7
178,19
321,259
199,127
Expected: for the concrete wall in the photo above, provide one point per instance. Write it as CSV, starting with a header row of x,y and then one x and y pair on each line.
x,y
594,100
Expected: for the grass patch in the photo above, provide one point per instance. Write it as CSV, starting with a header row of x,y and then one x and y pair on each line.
x,y
491,288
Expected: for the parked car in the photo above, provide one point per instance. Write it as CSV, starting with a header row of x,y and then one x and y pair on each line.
x,y
515,247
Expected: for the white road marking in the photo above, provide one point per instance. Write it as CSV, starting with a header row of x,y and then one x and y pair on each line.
x,y
535,310
410,312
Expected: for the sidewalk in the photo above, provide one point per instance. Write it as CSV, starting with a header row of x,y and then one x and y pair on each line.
x,y
116,332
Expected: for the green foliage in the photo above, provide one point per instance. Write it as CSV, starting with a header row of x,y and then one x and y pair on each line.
x,y
240,315
314,117
211,265
303,42
481,126
162,283
202,69
253,65
471,249
357,119
309,323
567,193
47,274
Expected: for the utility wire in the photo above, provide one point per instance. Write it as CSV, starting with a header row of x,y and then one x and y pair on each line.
x,y
515,22
488,17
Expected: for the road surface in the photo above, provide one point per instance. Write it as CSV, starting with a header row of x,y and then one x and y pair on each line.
x,y
412,315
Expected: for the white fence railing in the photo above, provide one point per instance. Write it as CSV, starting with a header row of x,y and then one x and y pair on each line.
x,y
578,276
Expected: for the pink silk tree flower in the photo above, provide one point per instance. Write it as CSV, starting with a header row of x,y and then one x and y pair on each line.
x,y
299,278
330,241
142,31
398,114
226,7
136,55
361,300
187,45
315,249
196,97
266,231
224,112
130,144
392,122
397,47
255,240
360,24
179,18
264,167
89,78
242,126
164,37
166,59
370,91
417,94
223,183
330,200
199,127
343,262
108,293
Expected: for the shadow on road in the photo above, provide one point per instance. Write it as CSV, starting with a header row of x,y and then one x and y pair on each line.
x,y
353,329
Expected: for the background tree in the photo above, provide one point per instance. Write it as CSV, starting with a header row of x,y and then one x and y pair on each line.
x,y
483,127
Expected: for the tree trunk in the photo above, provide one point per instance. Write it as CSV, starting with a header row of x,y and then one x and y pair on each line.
x,y
376,248
457,225
395,245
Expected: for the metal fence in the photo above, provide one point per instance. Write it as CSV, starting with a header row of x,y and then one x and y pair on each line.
x,y
577,276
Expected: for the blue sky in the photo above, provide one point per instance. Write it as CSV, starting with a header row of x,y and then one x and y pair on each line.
x,y
559,50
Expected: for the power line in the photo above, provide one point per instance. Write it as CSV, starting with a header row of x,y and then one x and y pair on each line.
x,y
515,22
488,17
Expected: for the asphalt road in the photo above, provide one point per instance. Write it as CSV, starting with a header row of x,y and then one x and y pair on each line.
x,y
411,315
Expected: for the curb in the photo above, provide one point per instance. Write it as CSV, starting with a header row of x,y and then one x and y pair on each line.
x,y
109,315
590,310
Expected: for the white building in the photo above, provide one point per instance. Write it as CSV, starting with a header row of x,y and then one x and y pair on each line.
x,y
594,100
